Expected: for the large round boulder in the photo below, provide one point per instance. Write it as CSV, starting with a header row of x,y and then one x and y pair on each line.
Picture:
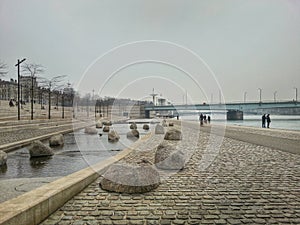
x,y
146,127
56,140
113,136
164,123
90,130
124,178
133,134
38,149
3,158
168,158
99,124
133,126
159,129
106,122
106,129
173,134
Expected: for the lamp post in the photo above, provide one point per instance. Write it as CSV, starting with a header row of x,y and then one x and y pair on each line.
x,y
18,65
245,95
296,93
275,93
260,91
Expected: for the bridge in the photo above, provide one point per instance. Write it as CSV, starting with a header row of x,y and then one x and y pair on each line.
x,y
234,110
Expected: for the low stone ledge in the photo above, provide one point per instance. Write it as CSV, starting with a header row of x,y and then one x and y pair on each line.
x,y
35,206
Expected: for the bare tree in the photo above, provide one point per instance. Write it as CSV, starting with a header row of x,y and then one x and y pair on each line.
x,y
3,69
32,70
53,84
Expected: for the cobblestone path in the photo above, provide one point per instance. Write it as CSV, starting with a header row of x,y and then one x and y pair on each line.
x,y
244,184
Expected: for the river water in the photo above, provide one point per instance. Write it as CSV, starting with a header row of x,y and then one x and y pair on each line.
x,y
288,122
79,151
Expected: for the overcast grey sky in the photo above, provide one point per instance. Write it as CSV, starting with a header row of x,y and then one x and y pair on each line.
x,y
248,44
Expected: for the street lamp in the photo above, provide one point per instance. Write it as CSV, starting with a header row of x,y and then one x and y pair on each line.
x,y
245,95
18,65
275,93
260,91
296,93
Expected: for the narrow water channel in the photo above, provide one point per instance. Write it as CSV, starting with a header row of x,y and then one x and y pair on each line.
x,y
79,151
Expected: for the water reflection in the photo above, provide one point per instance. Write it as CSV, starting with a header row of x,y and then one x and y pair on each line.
x,y
3,168
79,151
39,162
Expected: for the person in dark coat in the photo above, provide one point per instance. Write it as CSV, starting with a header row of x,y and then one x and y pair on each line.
x,y
268,120
208,119
263,121
201,119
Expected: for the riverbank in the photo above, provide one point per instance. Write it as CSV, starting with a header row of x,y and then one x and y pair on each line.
x,y
237,182
244,183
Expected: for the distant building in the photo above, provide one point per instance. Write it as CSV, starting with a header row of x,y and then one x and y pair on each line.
x,y
26,83
8,89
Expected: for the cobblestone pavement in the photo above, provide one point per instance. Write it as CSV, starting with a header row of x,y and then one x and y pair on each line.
x,y
245,184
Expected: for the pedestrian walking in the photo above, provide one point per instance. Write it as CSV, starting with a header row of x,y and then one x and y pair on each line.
x,y
208,119
204,118
201,119
268,120
263,120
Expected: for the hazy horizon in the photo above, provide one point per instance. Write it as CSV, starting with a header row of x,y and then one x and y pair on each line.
x,y
242,45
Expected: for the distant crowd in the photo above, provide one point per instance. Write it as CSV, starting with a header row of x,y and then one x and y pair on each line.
x,y
204,119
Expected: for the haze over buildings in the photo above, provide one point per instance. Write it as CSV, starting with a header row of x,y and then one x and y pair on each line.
x,y
247,44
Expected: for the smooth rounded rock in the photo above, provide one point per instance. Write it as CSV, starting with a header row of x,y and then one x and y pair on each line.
x,y
56,140
159,129
113,136
146,127
133,126
99,124
90,130
168,158
106,129
133,134
124,178
164,123
3,158
38,149
106,122
173,134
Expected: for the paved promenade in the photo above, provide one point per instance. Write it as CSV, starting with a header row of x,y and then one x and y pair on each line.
x,y
243,183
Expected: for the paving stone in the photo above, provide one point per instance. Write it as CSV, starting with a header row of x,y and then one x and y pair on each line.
x,y
245,184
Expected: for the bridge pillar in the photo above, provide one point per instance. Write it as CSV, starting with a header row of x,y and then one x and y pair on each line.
x,y
235,115
147,114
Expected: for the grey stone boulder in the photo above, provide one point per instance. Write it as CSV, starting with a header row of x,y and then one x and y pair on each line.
x,y
133,126
113,136
164,123
90,130
124,178
106,122
106,129
38,149
159,129
171,124
133,134
3,158
99,124
56,140
168,158
173,134
146,127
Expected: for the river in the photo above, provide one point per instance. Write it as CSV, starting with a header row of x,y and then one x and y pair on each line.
x,y
288,122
